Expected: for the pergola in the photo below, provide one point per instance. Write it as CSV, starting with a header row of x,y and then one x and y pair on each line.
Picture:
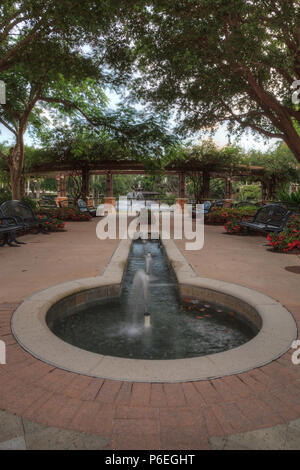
x,y
131,167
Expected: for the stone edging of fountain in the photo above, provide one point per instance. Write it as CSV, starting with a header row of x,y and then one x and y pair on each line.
x,y
278,327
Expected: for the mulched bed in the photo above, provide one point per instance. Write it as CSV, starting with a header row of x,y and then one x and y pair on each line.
x,y
293,269
295,251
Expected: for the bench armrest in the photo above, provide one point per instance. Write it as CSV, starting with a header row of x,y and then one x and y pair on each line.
x,y
14,219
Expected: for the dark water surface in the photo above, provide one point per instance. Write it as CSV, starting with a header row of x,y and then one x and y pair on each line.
x,y
179,328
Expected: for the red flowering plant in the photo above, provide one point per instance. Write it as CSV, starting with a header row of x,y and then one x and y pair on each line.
x,y
232,225
289,238
216,216
229,217
54,225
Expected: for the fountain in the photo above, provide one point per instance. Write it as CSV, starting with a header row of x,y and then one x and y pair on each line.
x,y
200,328
140,289
157,326
139,297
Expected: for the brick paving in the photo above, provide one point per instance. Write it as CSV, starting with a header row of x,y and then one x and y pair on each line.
x,y
145,415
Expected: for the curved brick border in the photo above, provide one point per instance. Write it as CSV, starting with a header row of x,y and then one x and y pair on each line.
x,y
278,328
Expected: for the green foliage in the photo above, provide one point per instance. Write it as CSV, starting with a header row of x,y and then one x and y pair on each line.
x,y
29,201
49,77
216,61
292,200
199,161
5,195
217,188
123,184
49,184
65,213
229,217
73,24
280,168
53,225
249,193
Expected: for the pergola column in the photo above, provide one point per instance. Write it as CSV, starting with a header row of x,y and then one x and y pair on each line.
x,y
85,175
181,200
109,199
228,188
61,199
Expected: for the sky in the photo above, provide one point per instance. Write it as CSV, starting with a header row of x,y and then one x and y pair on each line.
x,y
248,141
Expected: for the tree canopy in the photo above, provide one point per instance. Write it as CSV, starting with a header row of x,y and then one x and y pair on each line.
x,y
216,61
72,22
280,168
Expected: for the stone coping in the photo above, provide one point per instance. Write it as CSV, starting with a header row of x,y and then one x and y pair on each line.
x,y
277,326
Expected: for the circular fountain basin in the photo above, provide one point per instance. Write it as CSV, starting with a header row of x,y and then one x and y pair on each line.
x,y
258,329
176,329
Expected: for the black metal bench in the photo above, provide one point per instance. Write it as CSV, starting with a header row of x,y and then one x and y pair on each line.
x,y
83,207
269,218
24,215
8,228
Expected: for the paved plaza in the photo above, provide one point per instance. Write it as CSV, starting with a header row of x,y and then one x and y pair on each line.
x,y
43,407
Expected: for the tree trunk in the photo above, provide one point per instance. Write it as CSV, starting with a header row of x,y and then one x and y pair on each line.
x,y
23,183
85,185
15,182
205,184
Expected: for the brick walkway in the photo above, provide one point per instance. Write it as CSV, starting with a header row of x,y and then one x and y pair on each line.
x,y
127,415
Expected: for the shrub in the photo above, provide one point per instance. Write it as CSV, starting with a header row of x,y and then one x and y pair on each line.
x,y
292,200
216,216
5,195
289,238
232,224
54,225
66,213
230,217
29,202
250,192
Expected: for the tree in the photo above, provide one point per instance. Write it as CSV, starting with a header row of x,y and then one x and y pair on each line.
x,y
72,22
280,167
217,188
205,159
218,61
113,136
62,78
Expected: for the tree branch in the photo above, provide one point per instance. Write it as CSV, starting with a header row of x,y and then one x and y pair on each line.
x,y
20,45
8,127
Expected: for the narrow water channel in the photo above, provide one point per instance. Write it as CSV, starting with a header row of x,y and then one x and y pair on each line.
x,y
180,328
